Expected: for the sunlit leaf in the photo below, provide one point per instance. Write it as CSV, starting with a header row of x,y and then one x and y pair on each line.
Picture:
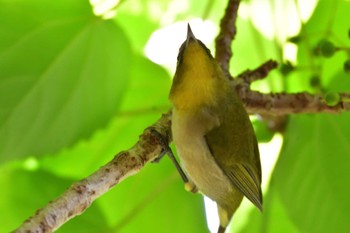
x,y
311,174
62,75
274,218
145,100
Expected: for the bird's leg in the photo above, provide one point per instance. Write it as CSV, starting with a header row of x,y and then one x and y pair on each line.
x,y
189,186
167,150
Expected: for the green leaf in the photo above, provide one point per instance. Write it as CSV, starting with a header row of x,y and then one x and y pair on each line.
x,y
145,100
149,88
311,174
27,191
62,75
274,219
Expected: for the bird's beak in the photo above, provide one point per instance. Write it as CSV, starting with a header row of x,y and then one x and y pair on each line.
x,y
190,35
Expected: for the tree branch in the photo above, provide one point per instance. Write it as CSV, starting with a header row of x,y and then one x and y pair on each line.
x,y
81,194
227,33
282,103
290,103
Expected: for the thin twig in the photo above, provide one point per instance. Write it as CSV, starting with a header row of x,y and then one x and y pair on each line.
x,y
260,72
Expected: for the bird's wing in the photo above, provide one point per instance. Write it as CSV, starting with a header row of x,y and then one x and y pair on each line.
x,y
234,146
247,176
243,177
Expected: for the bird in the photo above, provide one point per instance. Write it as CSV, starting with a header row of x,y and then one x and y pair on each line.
x,y
212,132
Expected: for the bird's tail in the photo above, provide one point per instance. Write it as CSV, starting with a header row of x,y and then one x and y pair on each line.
x,y
221,229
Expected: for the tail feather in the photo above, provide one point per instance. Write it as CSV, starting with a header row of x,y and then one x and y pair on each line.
x,y
221,229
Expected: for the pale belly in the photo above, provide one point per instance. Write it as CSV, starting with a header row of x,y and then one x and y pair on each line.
x,y
204,172
197,161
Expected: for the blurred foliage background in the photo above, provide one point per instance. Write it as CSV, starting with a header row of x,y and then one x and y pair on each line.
x,y
76,87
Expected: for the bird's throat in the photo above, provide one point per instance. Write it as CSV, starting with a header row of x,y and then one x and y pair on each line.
x,y
196,89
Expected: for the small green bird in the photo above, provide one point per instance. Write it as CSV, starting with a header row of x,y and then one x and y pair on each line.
x,y
212,132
